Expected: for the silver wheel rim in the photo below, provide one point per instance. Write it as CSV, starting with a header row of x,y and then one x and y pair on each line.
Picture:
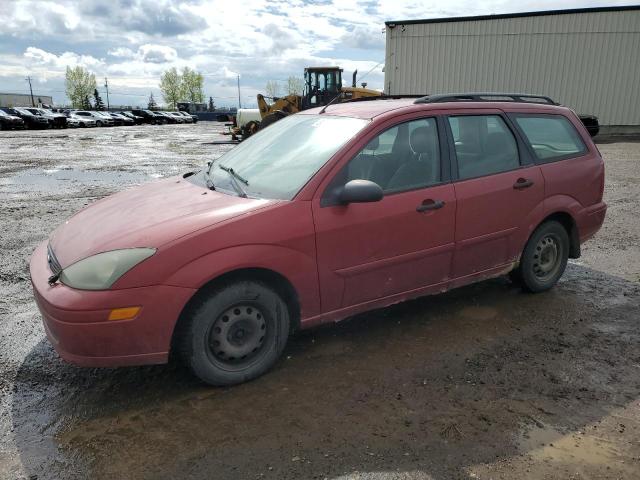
x,y
547,257
238,334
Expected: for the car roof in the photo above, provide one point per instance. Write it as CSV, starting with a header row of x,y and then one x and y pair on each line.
x,y
369,109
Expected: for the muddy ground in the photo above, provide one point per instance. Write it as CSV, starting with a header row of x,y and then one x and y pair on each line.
x,y
482,382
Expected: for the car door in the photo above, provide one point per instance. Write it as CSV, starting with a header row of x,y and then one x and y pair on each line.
x,y
402,243
498,189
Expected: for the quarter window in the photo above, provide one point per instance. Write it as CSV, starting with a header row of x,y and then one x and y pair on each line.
x,y
405,157
484,145
552,137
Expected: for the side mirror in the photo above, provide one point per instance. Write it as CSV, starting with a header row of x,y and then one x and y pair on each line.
x,y
360,191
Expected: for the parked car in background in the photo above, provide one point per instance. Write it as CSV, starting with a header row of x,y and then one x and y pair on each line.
x,y
10,122
109,119
101,120
179,118
391,200
82,120
169,118
136,118
187,114
184,118
56,120
117,120
591,123
73,122
30,120
161,118
149,116
123,118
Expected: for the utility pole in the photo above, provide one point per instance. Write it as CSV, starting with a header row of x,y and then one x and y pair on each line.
x,y
28,79
106,86
239,101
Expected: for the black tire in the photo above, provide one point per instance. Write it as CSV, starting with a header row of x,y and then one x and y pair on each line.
x,y
98,123
544,258
234,333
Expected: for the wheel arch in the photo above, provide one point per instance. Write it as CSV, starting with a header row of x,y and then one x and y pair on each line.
x,y
569,223
275,280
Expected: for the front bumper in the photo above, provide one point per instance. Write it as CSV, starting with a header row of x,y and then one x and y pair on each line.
x,y
76,320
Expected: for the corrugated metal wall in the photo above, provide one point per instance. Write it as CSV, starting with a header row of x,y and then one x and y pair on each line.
x,y
22,100
588,61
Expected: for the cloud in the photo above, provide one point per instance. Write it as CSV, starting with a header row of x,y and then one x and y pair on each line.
x,y
150,17
122,52
364,38
38,57
158,53
134,41
281,39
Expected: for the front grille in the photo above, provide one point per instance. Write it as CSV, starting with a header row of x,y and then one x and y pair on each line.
x,y
54,265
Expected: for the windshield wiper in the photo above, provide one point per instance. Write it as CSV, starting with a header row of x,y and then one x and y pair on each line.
x,y
235,177
207,178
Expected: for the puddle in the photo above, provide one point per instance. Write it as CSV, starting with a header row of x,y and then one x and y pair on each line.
x,y
546,443
55,179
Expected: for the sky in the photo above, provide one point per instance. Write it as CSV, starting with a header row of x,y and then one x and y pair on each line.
x,y
131,42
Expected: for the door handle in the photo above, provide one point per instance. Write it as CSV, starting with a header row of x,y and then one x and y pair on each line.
x,y
430,205
522,183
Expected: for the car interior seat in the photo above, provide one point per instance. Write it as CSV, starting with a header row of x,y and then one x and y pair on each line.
x,y
423,167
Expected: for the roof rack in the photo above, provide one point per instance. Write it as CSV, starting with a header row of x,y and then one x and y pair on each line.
x,y
487,97
385,97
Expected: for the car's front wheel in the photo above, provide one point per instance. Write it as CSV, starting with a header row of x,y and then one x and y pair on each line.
x,y
544,258
234,333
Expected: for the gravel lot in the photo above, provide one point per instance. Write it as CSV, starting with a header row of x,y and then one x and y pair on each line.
x,y
481,382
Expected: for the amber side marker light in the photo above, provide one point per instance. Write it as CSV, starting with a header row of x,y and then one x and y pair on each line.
x,y
126,313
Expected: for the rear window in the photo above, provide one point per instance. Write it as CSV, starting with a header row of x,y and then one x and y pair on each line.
x,y
552,137
484,145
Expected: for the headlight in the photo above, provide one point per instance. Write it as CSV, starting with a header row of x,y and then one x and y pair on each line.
x,y
101,271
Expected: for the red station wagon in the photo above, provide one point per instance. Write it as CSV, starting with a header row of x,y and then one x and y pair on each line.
x,y
327,213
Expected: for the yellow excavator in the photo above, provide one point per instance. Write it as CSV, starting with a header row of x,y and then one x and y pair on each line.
x,y
321,86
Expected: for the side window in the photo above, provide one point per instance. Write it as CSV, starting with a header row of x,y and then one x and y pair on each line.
x,y
402,158
484,145
552,137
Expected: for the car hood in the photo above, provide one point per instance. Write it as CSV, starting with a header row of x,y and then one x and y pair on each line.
x,y
146,216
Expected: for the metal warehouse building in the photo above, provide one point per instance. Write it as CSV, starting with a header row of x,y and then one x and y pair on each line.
x,y
587,59
23,100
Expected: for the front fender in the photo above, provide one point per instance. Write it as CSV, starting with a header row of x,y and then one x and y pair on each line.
x,y
299,268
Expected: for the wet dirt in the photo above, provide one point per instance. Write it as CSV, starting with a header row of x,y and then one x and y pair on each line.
x,y
480,382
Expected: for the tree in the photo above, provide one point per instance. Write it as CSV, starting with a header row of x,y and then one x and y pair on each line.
x,y
192,85
272,89
85,104
294,85
212,106
171,87
99,104
152,105
79,85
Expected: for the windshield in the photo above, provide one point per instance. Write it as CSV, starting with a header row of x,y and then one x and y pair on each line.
x,y
277,162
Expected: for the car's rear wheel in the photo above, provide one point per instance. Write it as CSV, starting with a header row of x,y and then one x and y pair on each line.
x,y
544,258
234,333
